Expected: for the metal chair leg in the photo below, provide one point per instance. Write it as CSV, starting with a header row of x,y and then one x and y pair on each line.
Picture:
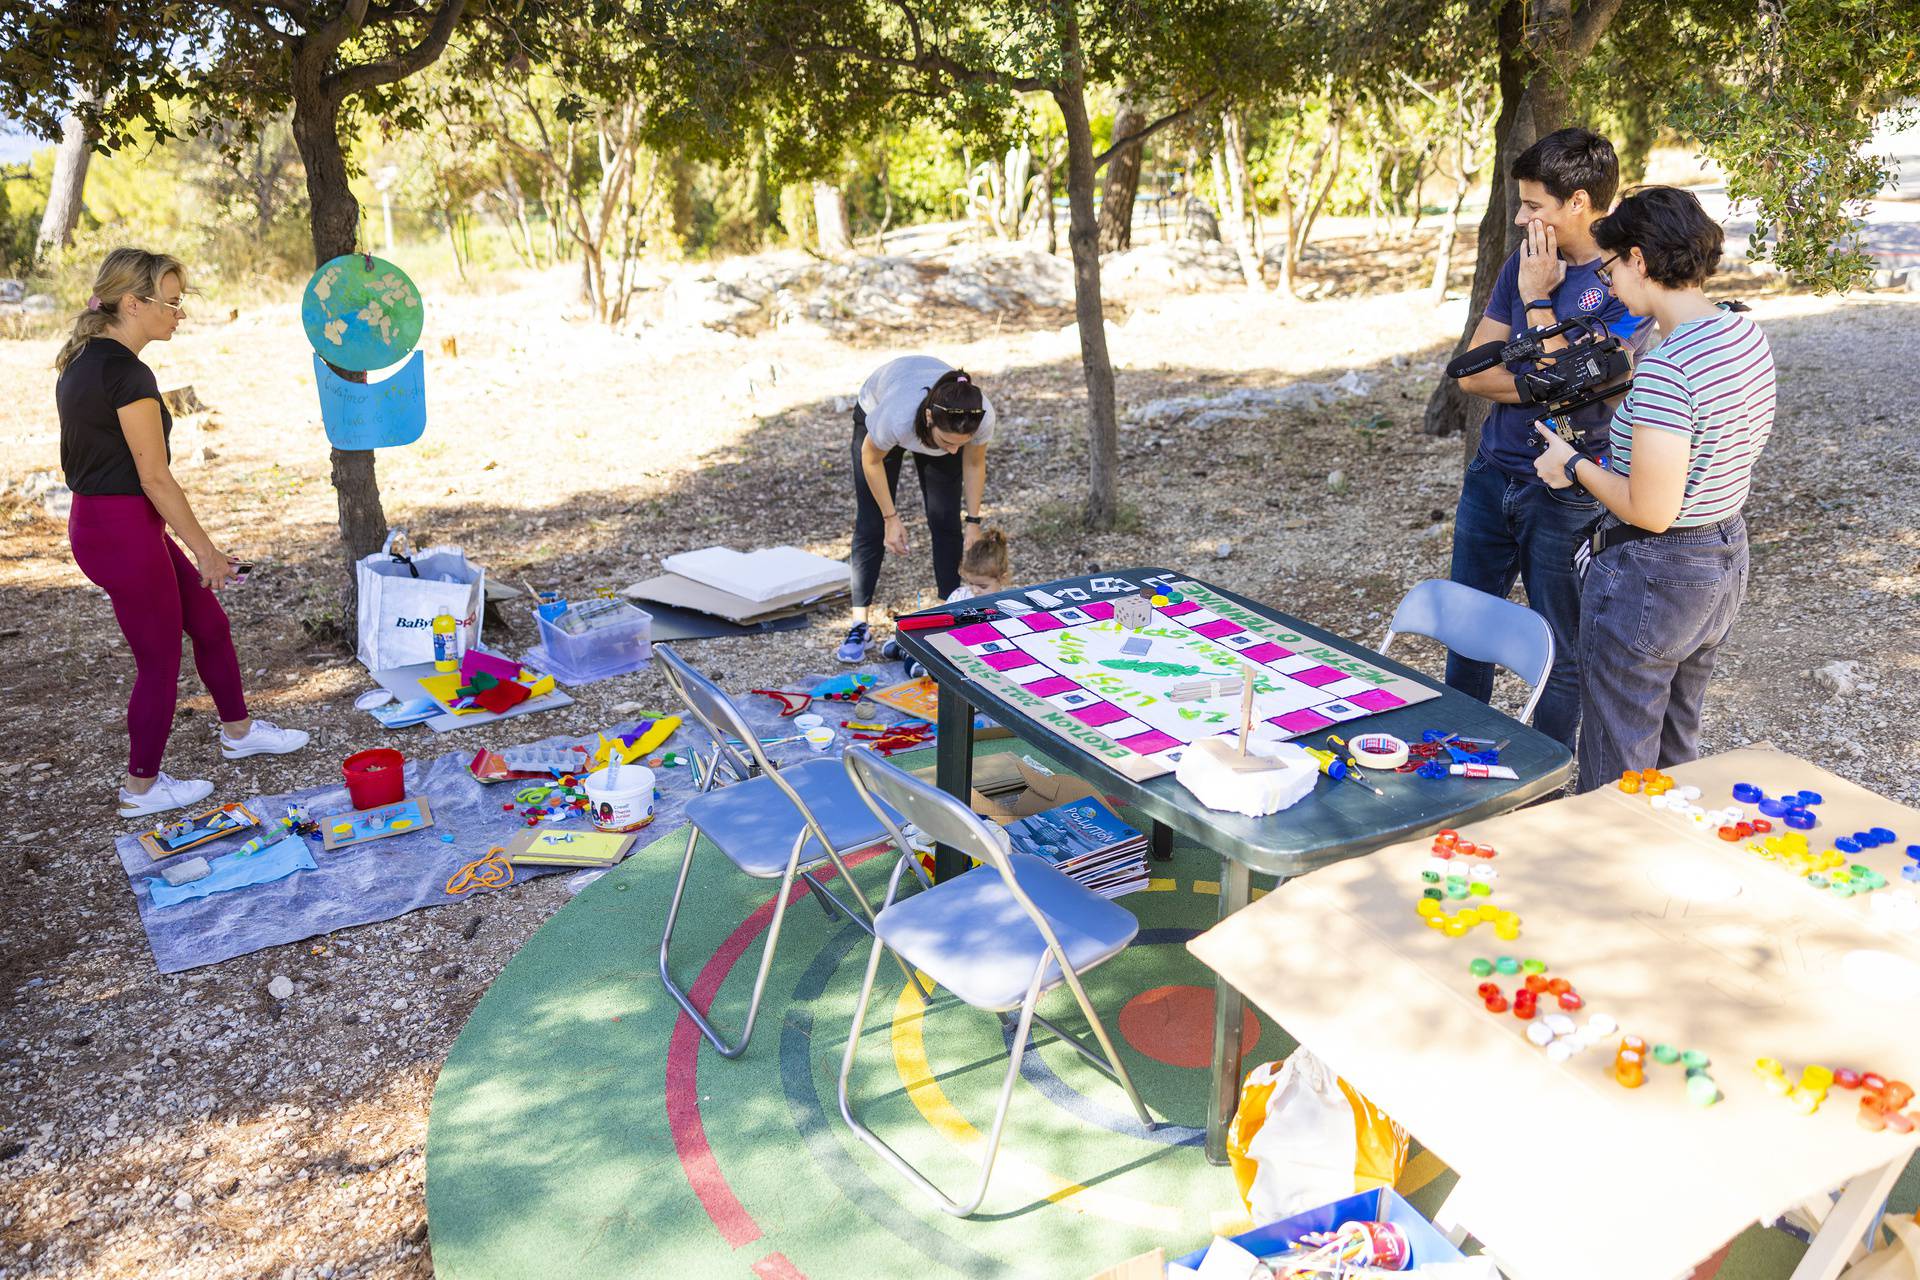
x,y
947,1204
707,1029
1119,1068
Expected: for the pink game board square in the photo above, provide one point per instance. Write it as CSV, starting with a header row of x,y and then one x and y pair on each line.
x,y
1377,700
1009,660
1268,652
1043,622
1317,676
978,633
1149,742
1175,610
1305,720
1217,628
1098,714
1098,610
1051,686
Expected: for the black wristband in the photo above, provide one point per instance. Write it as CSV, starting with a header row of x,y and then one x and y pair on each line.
x,y
1537,306
1571,465
971,519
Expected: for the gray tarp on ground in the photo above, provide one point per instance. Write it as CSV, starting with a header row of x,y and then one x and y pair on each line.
x,y
386,878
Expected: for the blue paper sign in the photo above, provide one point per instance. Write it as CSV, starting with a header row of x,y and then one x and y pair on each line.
x,y
373,415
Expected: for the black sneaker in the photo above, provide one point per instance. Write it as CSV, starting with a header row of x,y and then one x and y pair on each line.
x,y
892,650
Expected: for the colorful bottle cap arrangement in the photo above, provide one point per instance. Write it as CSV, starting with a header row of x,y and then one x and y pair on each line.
x,y
1882,1101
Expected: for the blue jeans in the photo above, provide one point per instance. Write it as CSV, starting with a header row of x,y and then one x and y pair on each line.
x,y
1653,616
1505,529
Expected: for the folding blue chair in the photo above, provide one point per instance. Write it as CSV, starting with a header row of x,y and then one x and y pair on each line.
x,y
764,824
999,937
1480,627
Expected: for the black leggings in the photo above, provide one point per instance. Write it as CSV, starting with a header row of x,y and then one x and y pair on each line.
x,y
940,492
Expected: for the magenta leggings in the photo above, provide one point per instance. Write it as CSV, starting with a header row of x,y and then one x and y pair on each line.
x,y
121,544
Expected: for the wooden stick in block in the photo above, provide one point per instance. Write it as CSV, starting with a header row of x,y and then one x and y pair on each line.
x,y
1246,707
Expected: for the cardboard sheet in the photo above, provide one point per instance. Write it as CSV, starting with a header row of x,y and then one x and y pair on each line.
x,y
684,593
762,575
1681,937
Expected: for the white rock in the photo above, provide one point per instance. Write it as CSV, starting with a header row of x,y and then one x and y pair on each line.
x,y
281,987
183,1200
1336,481
1222,551
399,1006
1837,678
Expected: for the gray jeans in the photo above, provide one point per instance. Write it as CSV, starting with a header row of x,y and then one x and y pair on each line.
x,y
1653,615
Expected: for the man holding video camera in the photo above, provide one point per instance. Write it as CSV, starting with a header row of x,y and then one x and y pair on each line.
x,y
1509,523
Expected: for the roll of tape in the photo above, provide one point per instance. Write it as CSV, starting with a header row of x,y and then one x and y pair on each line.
x,y
1377,751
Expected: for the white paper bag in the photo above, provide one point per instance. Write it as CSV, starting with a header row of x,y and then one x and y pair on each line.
x,y
401,593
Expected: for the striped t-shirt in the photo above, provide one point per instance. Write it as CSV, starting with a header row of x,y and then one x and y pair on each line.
x,y
1712,378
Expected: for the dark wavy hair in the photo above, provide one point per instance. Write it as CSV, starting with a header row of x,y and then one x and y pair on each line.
x,y
1570,160
956,406
1680,242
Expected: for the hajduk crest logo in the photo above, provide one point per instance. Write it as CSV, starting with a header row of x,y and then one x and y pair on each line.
x,y
1591,300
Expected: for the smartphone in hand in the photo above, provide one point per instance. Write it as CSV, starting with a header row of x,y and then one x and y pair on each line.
x,y
240,572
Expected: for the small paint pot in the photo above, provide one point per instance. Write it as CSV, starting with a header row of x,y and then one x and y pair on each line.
x,y
819,739
809,721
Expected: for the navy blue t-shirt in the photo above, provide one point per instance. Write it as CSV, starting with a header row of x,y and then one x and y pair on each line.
x,y
1508,437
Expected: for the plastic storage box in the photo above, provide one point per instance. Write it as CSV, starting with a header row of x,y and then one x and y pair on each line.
x,y
617,640
1385,1205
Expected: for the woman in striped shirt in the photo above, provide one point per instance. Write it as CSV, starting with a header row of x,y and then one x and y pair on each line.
x,y
1668,568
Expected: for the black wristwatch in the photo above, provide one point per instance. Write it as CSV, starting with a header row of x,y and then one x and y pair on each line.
x,y
971,519
1531,306
1573,464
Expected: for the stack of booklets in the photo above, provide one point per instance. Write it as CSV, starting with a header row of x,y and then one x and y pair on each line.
x,y
1085,840
577,848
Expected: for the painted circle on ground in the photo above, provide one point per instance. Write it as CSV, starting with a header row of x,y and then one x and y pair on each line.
x,y
1174,1025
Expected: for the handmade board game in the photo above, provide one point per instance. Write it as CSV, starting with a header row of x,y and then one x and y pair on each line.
x,y
1106,686
191,833
343,830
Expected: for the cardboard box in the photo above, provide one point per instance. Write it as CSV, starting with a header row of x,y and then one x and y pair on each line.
x,y
1039,790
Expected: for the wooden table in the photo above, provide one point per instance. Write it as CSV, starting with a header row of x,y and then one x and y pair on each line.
x,y
1678,935
1337,822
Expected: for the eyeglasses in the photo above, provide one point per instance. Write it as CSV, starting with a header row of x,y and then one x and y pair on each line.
x,y
179,312
1605,270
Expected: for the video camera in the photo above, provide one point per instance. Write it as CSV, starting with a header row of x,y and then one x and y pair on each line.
x,y
1592,367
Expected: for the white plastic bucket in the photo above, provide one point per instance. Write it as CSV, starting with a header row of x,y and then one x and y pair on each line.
x,y
626,805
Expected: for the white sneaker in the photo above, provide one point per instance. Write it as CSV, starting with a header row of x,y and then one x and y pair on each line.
x,y
264,738
165,793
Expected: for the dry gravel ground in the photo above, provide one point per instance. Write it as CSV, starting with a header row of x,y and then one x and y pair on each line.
x,y
194,1126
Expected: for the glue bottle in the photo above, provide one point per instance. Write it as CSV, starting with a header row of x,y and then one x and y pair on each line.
x,y
446,656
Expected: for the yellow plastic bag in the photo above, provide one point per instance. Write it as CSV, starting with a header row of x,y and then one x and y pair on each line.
x,y
1303,1137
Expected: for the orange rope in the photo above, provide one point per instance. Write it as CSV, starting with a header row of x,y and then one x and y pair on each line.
x,y
490,872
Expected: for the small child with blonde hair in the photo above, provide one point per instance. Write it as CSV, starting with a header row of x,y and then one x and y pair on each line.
x,y
984,567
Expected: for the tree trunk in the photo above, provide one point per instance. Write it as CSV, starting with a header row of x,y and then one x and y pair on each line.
x,y
1083,238
335,221
1443,256
830,218
1240,209
70,165
1532,104
1123,176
